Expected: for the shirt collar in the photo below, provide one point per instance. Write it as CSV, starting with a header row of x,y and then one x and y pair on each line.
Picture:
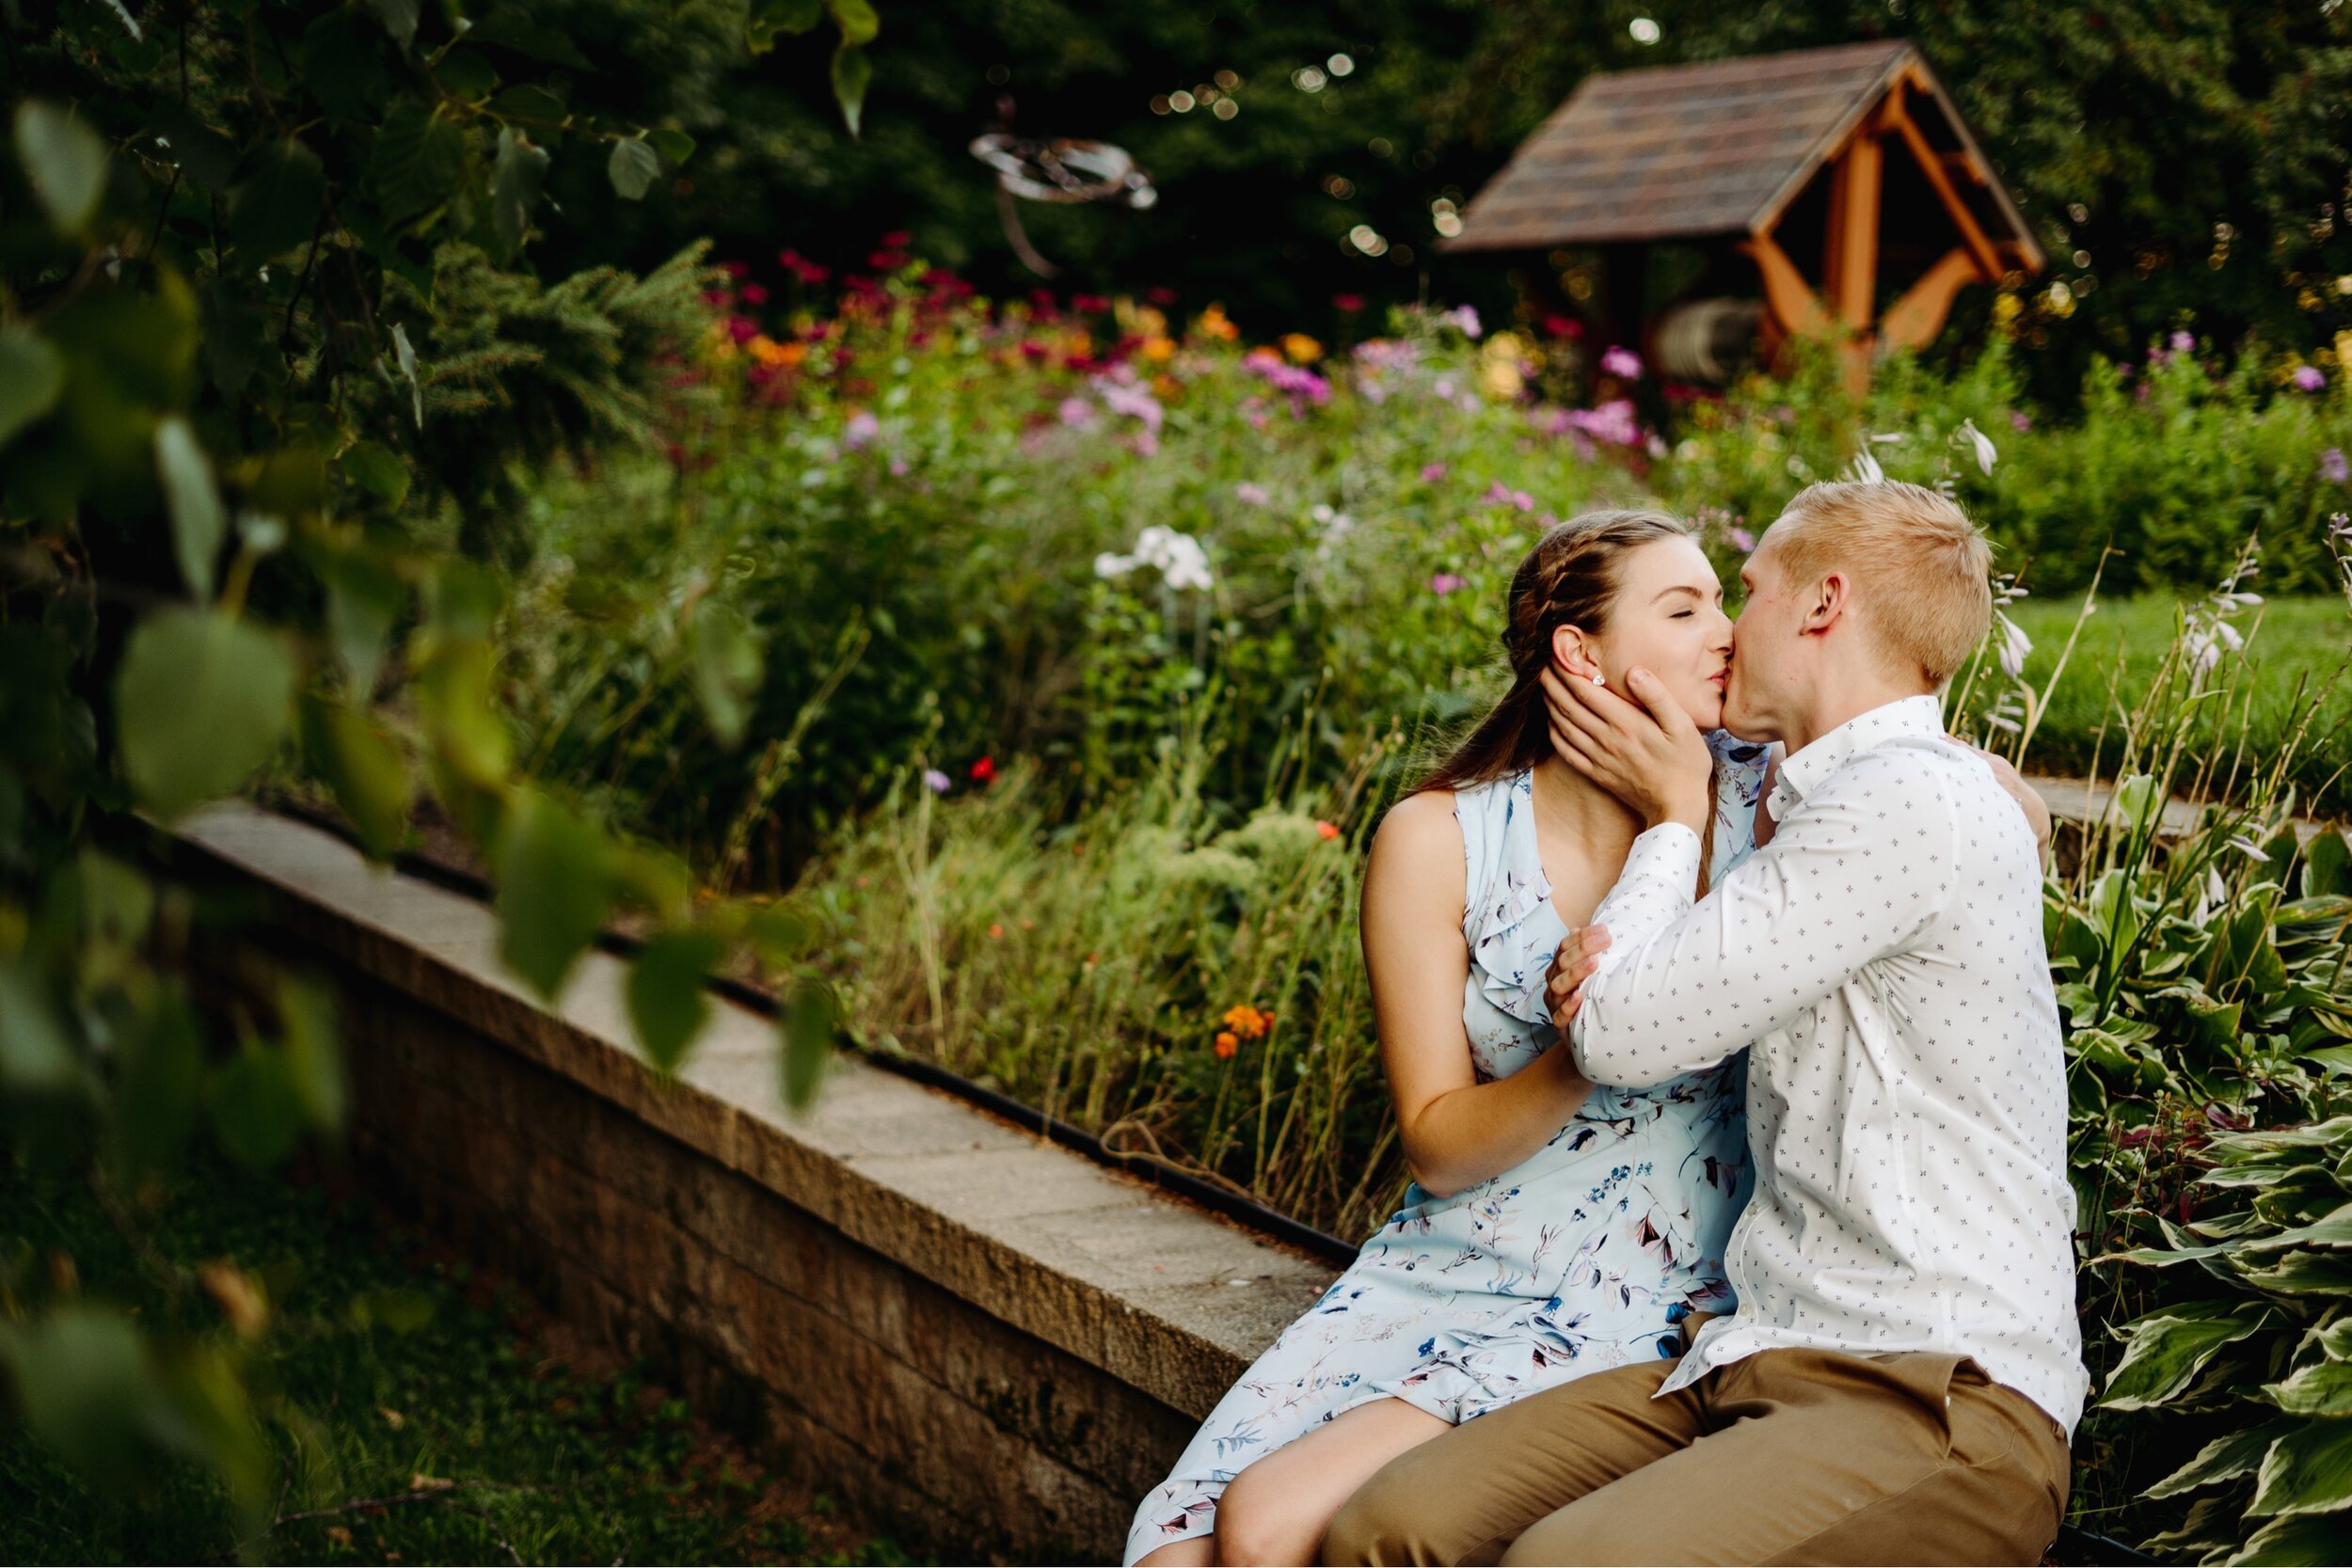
x,y
1803,769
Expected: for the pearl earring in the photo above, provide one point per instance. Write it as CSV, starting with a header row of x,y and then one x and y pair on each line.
x,y
1600,680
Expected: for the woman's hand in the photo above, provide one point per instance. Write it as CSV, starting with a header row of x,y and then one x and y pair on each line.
x,y
1647,753
1571,966
2029,800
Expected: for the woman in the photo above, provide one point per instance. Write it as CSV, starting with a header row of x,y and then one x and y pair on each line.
x,y
1554,1227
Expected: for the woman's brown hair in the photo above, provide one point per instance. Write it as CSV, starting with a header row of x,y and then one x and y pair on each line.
x,y
1570,579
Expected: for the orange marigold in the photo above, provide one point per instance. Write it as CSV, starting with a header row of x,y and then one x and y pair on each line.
x,y
1226,1043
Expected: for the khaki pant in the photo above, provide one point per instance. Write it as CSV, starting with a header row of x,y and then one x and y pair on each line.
x,y
1797,1456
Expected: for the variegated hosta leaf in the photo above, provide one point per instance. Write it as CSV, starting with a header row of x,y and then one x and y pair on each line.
x,y
2164,1353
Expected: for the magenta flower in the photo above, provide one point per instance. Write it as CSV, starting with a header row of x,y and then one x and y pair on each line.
x,y
1623,363
2333,467
860,432
1446,582
1432,472
1076,413
2308,378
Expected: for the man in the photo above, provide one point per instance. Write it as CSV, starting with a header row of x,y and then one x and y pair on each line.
x,y
1904,1369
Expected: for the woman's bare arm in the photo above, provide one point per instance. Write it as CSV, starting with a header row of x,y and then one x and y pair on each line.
x,y
1456,1131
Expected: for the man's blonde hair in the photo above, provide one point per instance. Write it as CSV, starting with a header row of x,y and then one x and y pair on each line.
x,y
1923,569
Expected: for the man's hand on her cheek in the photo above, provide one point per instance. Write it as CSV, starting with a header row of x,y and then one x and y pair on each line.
x,y
1571,966
1647,753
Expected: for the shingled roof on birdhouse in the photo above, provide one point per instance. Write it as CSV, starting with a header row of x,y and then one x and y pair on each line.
x,y
1816,166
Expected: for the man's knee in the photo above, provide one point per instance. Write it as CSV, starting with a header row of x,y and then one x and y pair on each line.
x,y
1376,1526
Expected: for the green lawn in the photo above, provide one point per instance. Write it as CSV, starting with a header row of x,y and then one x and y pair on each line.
x,y
463,1436
2289,640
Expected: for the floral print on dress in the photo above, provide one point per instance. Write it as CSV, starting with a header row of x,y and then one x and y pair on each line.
x,y
1587,1255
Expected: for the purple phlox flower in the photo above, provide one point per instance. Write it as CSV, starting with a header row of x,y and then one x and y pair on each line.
x,y
898,468
2183,343
1432,472
2308,378
1386,354
1611,423
1253,494
936,782
1446,582
1742,540
1136,402
1465,317
2019,420
1144,443
1303,385
860,432
1499,491
1621,363
2332,467
1549,420
1076,413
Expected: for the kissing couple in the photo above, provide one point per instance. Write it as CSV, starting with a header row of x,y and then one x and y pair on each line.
x,y
1712,991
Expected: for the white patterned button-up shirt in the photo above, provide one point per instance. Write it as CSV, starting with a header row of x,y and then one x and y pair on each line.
x,y
1906,1088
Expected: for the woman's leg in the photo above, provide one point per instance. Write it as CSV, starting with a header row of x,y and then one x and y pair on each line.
x,y
1276,1510
1200,1551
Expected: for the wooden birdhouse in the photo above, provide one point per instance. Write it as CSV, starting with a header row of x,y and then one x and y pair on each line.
x,y
1829,192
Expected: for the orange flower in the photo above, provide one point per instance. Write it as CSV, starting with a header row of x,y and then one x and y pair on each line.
x,y
1301,349
995,930
1226,1043
1327,829
1212,324
1159,348
1247,1021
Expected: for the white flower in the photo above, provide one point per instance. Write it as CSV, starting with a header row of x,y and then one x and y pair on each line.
x,y
1867,470
2015,645
1986,453
1107,565
1321,511
2254,850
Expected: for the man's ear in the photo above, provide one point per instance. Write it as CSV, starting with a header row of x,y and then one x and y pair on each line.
x,y
1833,599
1573,651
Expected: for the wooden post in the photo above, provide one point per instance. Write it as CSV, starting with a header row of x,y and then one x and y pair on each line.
x,y
1851,265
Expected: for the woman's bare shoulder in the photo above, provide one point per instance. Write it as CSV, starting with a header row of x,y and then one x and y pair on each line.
x,y
1420,838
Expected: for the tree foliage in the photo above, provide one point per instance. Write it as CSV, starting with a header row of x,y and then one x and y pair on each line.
x,y
274,351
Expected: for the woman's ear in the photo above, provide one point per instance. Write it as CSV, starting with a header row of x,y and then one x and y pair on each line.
x,y
1574,652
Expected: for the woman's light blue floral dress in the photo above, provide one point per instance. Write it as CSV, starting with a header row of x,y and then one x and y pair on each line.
x,y
1583,1257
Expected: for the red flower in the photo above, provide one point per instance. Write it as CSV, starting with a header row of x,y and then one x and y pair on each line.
x,y
754,294
1347,304
1160,296
1088,305
734,269
1563,326
984,771
897,239
1044,300
1327,829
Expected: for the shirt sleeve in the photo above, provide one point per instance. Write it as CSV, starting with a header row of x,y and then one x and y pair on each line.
x,y
1860,868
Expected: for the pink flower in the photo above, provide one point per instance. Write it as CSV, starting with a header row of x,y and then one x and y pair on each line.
x,y
2183,343
754,294
1076,413
2018,420
1136,402
898,468
860,432
1563,326
1144,442
1611,423
936,782
1446,582
1742,540
2308,378
1623,363
1252,495
2332,467
1432,472
1466,317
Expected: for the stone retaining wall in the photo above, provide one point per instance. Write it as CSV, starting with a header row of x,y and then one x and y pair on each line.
x,y
991,1342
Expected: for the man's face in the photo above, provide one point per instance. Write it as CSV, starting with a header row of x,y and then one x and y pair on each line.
x,y
1766,643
